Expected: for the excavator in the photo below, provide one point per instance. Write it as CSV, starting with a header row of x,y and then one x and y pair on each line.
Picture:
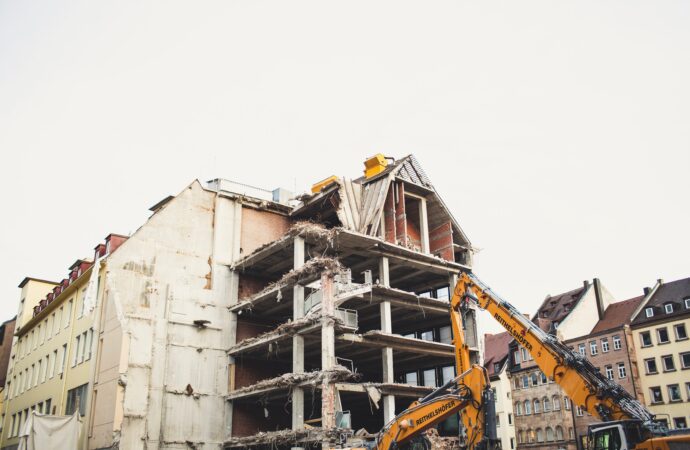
x,y
626,423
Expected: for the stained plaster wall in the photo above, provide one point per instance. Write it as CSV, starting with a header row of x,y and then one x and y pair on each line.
x,y
584,316
171,272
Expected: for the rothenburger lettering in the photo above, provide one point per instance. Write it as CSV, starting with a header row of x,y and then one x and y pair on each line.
x,y
441,409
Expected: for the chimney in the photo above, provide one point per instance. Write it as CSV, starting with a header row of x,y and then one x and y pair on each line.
x,y
585,284
646,290
598,296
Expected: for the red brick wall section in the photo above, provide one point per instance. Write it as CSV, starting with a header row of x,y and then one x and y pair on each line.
x,y
389,215
250,418
441,241
5,348
246,329
400,216
249,286
259,228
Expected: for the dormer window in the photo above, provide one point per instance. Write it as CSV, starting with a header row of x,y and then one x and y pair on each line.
x,y
107,247
668,307
649,312
687,303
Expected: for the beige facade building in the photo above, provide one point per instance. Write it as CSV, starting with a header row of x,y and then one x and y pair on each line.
x,y
496,352
660,328
50,364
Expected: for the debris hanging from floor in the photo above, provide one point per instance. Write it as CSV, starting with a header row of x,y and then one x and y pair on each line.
x,y
337,373
273,439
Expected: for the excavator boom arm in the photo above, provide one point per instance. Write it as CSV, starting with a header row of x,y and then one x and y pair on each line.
x,y
580,380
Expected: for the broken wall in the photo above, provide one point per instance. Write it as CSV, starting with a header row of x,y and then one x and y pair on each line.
x,y
166,319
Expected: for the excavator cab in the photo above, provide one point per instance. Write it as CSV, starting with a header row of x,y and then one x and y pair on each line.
x,y
617,435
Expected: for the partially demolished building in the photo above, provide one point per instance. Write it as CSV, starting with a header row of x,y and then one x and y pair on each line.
x,y
343,321
236,317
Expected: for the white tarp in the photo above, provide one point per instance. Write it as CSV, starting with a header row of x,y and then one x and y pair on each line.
x,y
45,432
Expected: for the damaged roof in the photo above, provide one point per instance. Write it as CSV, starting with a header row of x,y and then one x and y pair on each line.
x,y
359,203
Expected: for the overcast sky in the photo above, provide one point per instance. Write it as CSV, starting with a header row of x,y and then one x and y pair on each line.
x,y
557,132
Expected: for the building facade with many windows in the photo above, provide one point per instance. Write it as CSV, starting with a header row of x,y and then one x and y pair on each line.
x,y
610,348
51,357
496,353
660,328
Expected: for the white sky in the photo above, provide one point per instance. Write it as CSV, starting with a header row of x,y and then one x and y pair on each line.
x,y
557,132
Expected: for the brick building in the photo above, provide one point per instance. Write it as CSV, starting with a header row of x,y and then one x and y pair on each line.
x,y
610,348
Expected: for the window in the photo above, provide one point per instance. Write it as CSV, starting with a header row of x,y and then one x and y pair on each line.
x,y
609,372
681,333
537,406
667,361
48,403
81,351
512,443
566,402
525,354
621,370
516,383
559,433
593,348
687,303
571,433
687,390
518,409
646,339
616,342
649,312
668,308
49,326
650,366
521,437
581,349
56,321
534,379
443,293
445,335
527,407
429,377
498,421
605,345
655,395
76,396
685,361
516,357
427,335
556,403
525,382
662,336
447,373
542,377
547,404
53,363
540,435
75,350
530,436
679,422
411,378
674,393
64,358
549,434
510,419
44,370
578,411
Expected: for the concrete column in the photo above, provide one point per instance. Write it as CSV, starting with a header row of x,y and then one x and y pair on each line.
x,y
297,340
387,352
424,225
328,394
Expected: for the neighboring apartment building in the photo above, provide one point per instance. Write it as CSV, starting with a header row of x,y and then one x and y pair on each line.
x,y
6,338
544,416
51,357
609,346
496,352
660,328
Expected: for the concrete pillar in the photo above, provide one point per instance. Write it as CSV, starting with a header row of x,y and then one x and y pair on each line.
x,y
297,340
387,352
423,225
328,393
